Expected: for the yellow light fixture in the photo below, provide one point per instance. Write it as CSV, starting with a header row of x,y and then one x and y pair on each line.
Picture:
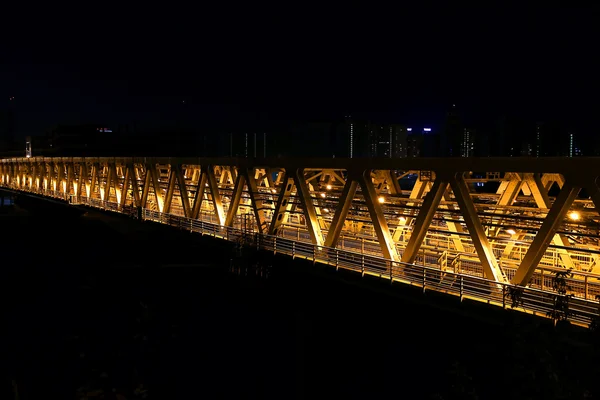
x,y
402,220
322,194
574,215
381,199
329,187
511,231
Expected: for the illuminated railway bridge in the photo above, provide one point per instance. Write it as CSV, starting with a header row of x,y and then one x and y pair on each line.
x,y
475,228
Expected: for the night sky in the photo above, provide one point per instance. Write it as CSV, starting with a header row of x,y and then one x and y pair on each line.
x,y
243,67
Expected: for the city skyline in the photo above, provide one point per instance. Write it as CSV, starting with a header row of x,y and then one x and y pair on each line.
x,y
524,63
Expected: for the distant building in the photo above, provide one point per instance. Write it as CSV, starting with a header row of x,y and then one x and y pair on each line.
x,y
467,147
574,148
414,142
369,139
453,134
83,140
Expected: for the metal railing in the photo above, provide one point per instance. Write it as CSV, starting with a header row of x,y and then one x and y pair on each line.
x,y
530,300
458,278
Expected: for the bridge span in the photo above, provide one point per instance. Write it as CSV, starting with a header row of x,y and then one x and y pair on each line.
x,y
496,230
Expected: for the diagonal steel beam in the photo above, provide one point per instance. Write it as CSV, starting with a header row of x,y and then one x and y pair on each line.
x,y
125,188
256,201
310,214
183,193
491,269
540,243
170,189
388,247
392,181
337,223
199,195
236,197
423,220
215,195
542,200
283,206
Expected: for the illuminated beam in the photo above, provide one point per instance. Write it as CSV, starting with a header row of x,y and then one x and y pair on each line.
x,y
199,195
134,183
491,269
337,223
236,197
388,247
60,176
183,193
310,215
257,203
170,189
540,243
215,195
423,220
594,191
152,174
70,177
416,193
542,200
125,188
392,181
82,180
116,182
511,191
453,226
94,182
146,188
283,206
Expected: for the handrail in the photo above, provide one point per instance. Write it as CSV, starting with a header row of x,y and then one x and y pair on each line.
x,y
531,300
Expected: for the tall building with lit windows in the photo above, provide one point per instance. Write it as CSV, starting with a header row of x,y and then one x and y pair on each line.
x,y
538,140
351,139
574,148
387,141
397,134
467,146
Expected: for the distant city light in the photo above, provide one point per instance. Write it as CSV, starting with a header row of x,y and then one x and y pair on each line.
x,y
427,129
409,129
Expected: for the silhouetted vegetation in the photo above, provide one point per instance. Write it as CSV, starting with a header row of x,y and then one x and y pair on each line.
x,y
561,312
515,295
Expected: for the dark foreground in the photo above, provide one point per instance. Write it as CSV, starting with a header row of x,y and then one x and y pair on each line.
x,y
95,306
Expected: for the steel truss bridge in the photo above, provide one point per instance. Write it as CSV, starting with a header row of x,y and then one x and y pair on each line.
x,y
474,228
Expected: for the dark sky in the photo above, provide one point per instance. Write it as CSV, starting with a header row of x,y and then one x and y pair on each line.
x,y
243,66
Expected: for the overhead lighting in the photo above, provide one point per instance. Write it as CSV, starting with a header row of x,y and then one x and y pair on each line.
x,y
574,215
328,187
381,199
511,231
